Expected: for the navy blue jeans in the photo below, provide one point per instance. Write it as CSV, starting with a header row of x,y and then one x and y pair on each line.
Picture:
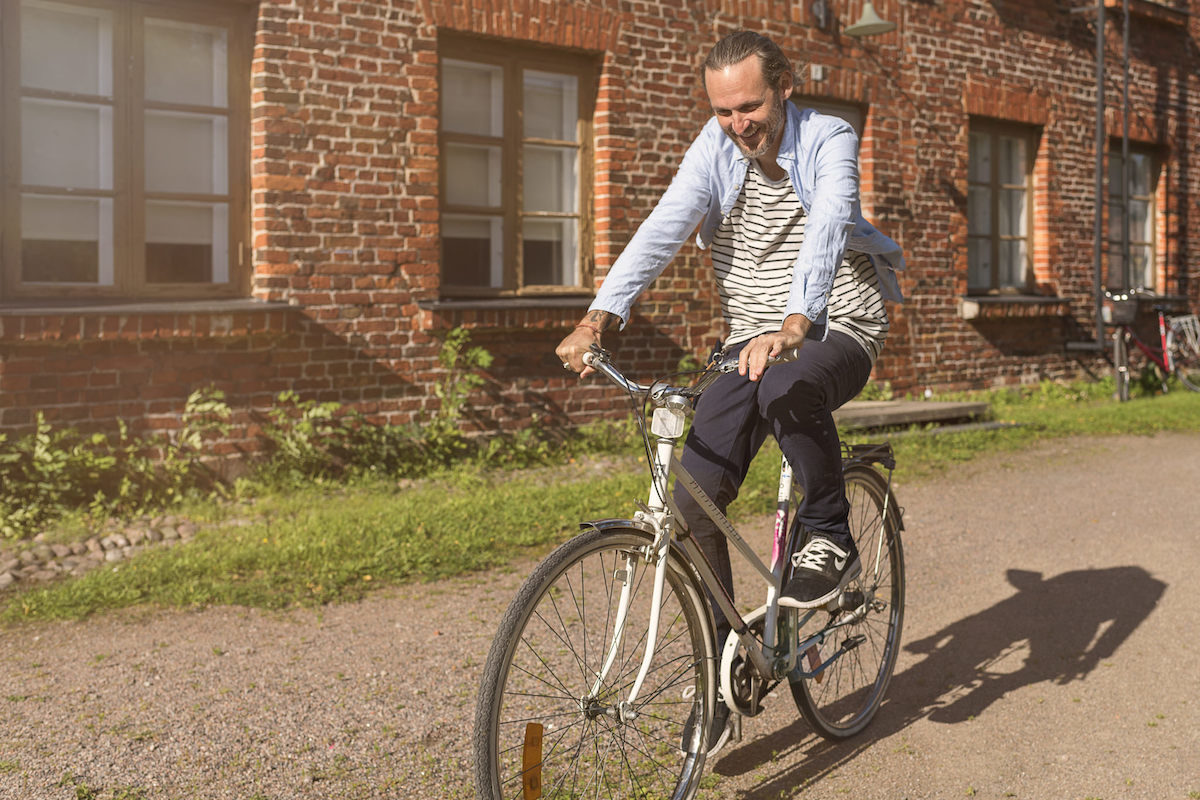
x,y
794,402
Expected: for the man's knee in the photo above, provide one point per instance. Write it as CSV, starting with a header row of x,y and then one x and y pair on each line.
x,y
794,396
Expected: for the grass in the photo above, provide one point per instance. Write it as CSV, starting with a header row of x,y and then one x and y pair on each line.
x,y
334,543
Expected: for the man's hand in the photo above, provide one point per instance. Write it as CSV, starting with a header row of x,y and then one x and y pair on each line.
x,y
579,341
752,361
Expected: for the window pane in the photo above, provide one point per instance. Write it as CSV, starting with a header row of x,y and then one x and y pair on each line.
x,y
1141,265
1116,271
66,48
472,175
1012,212
66,240
1012,264
551,179
186,153
551,106
979,211
550,253
185,63
187,242
67,145
472,98
1012,160
1116,216
1140,178
472,253
979,264
1140,229
979,168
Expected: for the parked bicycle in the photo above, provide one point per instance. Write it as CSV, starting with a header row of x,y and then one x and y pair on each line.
x,y
605,660
1178,351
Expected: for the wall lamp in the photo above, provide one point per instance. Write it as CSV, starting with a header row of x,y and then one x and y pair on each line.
x,y
869,24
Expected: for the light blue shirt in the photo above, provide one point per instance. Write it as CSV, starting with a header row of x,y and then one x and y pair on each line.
x,y
820,155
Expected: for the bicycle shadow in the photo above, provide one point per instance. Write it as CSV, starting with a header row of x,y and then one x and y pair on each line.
x,y
1057,629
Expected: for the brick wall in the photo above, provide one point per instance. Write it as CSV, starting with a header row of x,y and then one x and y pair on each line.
x,y
344,186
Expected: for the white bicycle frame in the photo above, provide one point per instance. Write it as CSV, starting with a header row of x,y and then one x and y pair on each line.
x,y
662,516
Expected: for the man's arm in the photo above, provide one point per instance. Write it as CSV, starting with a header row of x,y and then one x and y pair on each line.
x,y
587,333
656,241
831,213
752,361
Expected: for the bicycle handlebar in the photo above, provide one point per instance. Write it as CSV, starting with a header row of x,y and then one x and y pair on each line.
x,y
601,361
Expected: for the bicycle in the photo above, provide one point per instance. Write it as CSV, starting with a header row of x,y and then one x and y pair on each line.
x,y
605,659
1178,352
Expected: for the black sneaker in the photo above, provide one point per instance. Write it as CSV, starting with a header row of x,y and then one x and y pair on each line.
x,y
822,570
718,734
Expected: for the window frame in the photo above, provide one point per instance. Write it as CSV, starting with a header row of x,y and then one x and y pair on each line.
x,y
513,58
128,193
1114,199
995,130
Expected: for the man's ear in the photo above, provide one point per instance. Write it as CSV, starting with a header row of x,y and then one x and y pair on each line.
x,y
785,85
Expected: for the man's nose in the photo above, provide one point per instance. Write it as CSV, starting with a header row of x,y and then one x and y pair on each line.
x,y
740,123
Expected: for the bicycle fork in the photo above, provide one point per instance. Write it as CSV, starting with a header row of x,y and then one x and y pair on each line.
x,y
657,556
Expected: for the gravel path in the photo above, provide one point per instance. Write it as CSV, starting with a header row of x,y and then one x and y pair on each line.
x,y
1050,653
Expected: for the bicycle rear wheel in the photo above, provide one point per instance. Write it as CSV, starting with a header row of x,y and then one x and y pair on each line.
x,y
843,699
543,726
1186,358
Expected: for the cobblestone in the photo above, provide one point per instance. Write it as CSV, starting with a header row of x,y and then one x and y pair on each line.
x,y
39,561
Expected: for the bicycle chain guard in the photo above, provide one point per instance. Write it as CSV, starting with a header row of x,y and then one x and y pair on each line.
x,y
742,691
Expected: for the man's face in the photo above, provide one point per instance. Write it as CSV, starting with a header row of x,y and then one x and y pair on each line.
x,y
749,111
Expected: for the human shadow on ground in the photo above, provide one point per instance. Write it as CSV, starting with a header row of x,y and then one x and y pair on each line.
x,y
1057,629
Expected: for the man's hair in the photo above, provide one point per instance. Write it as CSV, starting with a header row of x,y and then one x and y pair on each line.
x,y
737,47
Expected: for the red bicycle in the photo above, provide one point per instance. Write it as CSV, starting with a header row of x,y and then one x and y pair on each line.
x,y
1178,352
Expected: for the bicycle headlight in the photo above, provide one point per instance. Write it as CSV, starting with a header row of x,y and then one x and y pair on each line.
x,y
667,423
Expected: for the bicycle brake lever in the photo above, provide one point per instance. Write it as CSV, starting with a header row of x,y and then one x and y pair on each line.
x,y
791,354
596,354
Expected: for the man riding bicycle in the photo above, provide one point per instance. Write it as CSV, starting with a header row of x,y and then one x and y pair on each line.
x,y
774,192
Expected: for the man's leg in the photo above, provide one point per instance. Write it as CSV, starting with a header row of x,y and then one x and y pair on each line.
x,y
798,400
726,432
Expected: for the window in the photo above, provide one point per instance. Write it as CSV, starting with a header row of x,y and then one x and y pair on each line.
x,y
1138,271
515,159
125,149
999,209
851,113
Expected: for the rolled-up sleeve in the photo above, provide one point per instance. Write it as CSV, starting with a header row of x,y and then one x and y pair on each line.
x,y
830,218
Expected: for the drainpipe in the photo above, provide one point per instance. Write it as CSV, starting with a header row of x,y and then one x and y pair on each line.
x,y
1098,229
1098,225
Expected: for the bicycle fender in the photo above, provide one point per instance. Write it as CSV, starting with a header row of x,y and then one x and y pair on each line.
x,y
617,524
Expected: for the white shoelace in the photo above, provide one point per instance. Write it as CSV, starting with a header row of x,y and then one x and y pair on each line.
x,y
816,553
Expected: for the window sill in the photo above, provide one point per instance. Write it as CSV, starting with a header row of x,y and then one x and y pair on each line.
x,y
82,307
506,303
1011,306
76,321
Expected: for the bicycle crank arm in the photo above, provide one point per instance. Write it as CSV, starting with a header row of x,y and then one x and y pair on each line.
x,y
848,644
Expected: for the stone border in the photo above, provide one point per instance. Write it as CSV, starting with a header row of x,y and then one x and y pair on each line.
x,y
39,561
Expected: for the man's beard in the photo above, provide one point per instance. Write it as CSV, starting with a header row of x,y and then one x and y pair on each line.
x,y
771,128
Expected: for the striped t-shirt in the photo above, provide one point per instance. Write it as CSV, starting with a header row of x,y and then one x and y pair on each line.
x,y
754,252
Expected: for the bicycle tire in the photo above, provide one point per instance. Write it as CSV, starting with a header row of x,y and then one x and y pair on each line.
x,y
1186,360
850,690
551,645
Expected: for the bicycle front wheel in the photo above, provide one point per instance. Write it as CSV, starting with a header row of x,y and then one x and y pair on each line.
x,y
840,701
554,720
1187,360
